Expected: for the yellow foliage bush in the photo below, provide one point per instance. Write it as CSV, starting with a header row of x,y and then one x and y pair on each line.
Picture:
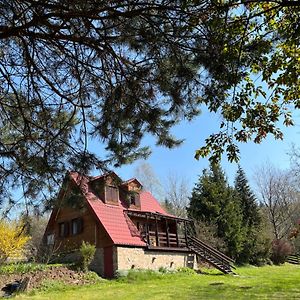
x,y
12,240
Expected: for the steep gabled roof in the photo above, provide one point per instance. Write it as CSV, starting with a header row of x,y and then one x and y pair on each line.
x,y
113,174
114,218
130,181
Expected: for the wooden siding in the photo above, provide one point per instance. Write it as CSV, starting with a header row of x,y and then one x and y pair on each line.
x,y
92,231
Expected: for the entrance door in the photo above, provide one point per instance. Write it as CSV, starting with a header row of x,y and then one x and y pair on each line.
x,y
108,262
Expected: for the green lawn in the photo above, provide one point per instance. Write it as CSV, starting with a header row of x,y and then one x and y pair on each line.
x,y
270,282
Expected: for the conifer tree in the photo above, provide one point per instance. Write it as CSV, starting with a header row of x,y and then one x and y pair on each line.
x,y
251,219
249,206
214,202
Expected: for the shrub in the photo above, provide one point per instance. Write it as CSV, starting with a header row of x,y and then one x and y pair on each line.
x,y
87,252
12,240
262,248
280,250
35,227
209,234
163,270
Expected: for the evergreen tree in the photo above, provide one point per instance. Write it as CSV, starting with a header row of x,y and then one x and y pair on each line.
x,y
249,206
214,202
251,219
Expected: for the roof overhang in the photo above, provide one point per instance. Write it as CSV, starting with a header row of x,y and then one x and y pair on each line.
x,y
154,216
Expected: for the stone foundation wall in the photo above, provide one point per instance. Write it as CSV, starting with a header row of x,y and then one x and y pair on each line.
x,y
125,258
138,258
97,265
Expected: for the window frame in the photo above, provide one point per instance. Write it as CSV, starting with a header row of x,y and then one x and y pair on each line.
x,y
134,199
50,239
78,223
109,197
63,229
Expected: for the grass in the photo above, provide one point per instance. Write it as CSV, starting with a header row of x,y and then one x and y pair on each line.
x,y
269,282
21,268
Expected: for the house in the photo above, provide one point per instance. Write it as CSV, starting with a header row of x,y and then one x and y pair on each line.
x,y
126,224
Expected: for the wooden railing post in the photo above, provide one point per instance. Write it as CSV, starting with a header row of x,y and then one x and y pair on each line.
x,y
167,231
147,231
177,240
156,232
185,234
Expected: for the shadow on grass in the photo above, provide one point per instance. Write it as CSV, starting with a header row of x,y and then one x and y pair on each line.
x,y
216,283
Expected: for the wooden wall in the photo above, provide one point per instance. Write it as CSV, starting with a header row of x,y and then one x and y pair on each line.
x,y
93,232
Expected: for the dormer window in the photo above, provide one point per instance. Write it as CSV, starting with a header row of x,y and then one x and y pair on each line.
x,y
134,199
111,194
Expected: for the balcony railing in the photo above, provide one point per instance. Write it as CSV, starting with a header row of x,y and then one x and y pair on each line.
x,y
164,240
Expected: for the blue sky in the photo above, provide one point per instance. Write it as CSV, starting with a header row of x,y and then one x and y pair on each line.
x,y
181,160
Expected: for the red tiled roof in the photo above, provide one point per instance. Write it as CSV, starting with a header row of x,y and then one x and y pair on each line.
x,y
114,219
116,223
149,203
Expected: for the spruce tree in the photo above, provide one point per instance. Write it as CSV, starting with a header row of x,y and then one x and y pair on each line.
x,y
251,220
214,202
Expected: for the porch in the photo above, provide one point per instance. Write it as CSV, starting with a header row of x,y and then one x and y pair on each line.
x,y
161,232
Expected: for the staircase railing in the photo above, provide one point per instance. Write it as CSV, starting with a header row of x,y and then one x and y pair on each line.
x,y
293,259
215,257
211,249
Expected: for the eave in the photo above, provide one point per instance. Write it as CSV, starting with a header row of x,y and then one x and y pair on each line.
x,y
154,216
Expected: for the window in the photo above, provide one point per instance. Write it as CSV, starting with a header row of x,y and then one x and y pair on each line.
x,y
111,193
63,229
50,239
76,226
134,199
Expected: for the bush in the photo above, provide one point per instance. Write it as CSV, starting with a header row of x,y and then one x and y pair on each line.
x,y
87,252
280,250
12,241
262,248
35,227
209,234
163,270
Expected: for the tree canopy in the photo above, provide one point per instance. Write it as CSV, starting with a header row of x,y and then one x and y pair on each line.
x,y
75,70
114,70
254,72
215,203
229,214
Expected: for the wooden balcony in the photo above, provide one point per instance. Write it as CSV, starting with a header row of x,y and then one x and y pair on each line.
x,y
165,241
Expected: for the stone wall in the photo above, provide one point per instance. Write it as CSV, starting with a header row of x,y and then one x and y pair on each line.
x,y
97,265
138,258
125,258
